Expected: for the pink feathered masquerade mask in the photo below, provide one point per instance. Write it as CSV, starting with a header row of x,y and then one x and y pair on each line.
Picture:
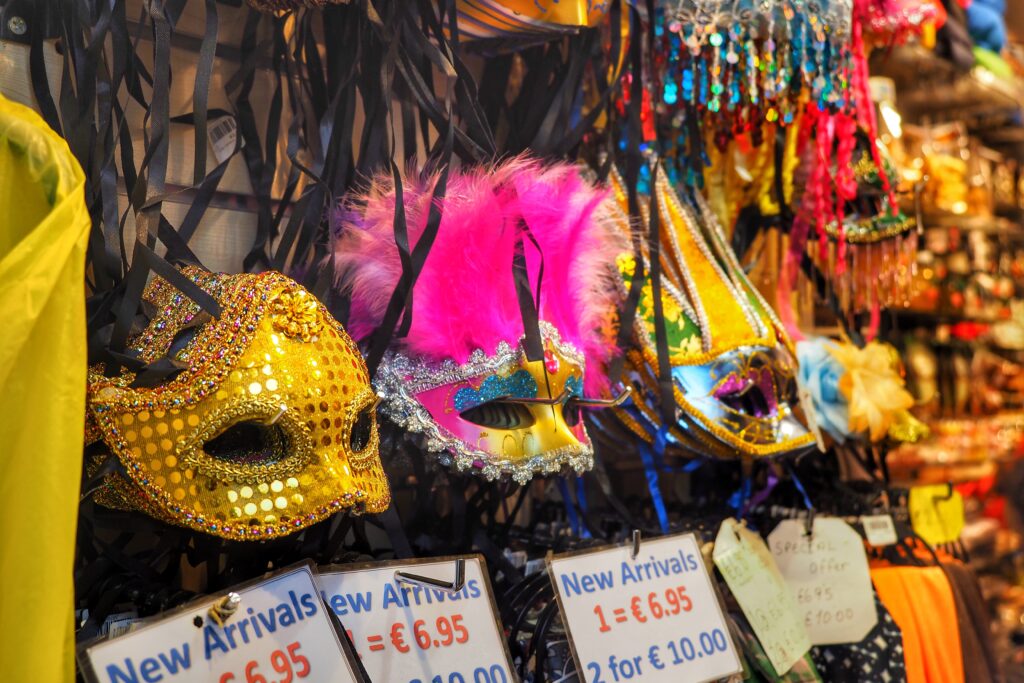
x,y
461,377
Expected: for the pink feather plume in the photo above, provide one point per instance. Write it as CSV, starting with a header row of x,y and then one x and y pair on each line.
x,y
465,297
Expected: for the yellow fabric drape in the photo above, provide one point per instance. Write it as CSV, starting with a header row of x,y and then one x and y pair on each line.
x,y
44,226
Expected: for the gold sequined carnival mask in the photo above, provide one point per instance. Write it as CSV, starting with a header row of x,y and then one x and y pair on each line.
x,y
270,427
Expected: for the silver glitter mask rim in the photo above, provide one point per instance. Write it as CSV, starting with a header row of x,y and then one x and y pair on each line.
x,y
400,377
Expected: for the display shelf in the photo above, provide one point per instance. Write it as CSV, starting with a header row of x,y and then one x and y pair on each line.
x,y
957,473
990,225
961,450
930,86
918,317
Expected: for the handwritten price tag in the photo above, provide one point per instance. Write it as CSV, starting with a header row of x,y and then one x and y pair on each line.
x,y
652,618
764,597
828,573
407,633
936,513
280,633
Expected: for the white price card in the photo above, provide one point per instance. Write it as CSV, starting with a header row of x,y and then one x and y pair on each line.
x,y
762,593
828,572
879,530
280,632
412,633
653,617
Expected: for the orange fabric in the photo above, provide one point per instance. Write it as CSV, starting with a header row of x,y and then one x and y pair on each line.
x,y
921,602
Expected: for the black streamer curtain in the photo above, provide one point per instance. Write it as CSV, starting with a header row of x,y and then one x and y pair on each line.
x,y
360,88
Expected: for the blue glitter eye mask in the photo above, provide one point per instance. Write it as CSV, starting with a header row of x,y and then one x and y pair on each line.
x,y
520,384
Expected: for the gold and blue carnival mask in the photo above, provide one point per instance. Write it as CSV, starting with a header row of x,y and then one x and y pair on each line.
x,y
732,365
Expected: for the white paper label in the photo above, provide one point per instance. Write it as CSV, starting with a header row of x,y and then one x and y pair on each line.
x,y
534,566
828,573
119,627
653,618
223,134
118,624
281,631
879,530
811,415
762,593
406,633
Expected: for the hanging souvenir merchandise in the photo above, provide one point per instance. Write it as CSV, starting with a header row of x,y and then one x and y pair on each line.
x,y
896,21
266,425
491,389
732,363
880,242
848,219
741,63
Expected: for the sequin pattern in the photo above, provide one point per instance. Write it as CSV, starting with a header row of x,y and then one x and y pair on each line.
x,y
520,384
274,361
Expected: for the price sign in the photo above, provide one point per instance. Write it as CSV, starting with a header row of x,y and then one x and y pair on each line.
x,y
279,633
764,597
655,617
410,633
936,513
879,530
828,572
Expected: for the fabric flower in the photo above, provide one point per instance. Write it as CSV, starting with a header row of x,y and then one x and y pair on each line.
x,y
818,378
872,387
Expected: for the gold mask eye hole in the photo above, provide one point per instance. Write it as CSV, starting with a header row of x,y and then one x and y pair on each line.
x,y
748,402
249,443
498,414
362,429
572,413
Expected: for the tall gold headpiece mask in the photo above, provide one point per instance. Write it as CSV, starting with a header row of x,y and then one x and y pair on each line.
x,y
732,365
270,426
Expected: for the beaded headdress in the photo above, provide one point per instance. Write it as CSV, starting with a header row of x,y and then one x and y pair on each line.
x,y
268,426
464,377
875,266
732,365
733,65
